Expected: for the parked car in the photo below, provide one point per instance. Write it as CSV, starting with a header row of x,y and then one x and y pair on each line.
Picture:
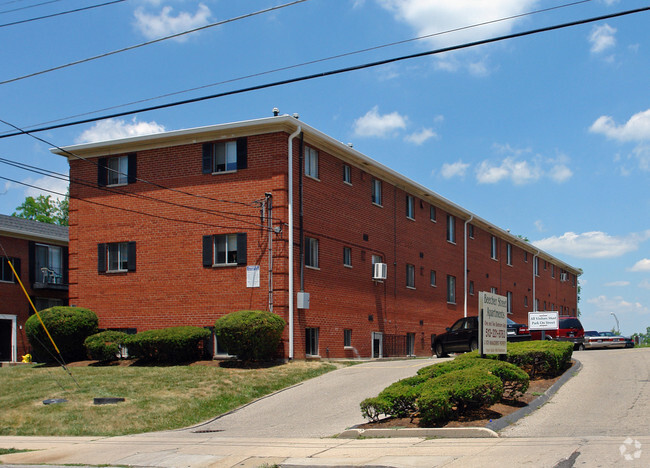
x,y
462,336
569,329
517,331
595,340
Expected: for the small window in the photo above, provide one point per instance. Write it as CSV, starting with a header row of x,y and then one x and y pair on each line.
x,y
509,295
536,266
451,229
347,174
451,289
410,276
470,231
432,213
347,256
410,207
552,271
347,338
311,162
117,170
224,250
376,192
493,290
471,288
525,256
116,257
509,254
6,273
525,301
432,278
311,252
494,248
311,341
225,156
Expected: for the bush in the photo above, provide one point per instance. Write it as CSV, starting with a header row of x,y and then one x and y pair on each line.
x,y
251,335
68,326
105,346
176,344
541,358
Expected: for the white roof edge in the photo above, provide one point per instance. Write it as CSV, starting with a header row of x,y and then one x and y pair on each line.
x,y
292,122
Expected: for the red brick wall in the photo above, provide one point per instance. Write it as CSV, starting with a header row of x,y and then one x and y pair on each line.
x,y
171,287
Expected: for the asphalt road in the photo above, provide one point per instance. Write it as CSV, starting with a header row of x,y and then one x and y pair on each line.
x,y
319,407
610,396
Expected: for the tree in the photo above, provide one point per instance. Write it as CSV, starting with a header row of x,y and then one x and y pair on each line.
x,y
44,209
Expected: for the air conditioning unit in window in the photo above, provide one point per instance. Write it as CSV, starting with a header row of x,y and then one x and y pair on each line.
x,y
379,271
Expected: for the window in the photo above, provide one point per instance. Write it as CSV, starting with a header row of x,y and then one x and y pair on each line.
x,y
224,250
347,256
311,341
536,266
311,252
410,207
525,256
509,295
225,156
311,162
376,192
410,344
493,290
451,289
117,170
471,288
432,277
470,231
347,338
116,257
48,264
525,301
6,273
410,275
494,246
347,174
451,229
432,213
536,304
509,254
42,303
552,271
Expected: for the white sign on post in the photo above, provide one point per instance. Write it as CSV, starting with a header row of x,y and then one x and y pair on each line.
x,y
543,320
493,323
253,276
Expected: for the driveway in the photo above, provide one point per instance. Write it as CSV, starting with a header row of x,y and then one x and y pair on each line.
x,y
319,407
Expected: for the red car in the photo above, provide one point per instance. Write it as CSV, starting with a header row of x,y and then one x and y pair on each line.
x,y
570,329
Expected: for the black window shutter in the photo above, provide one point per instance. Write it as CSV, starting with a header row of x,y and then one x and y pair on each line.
x,y
32,261
66,265
102,171
130,249
242,153
16,263
241,248
101,258
133,168
207,251
207,157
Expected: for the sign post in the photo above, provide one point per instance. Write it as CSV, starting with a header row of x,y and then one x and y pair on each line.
x,y
493,324
543,321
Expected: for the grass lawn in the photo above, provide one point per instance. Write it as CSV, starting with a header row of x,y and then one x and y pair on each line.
x,y
156,398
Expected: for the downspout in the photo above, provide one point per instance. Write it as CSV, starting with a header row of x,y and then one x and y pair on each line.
x,y
301,223
534,275
290,214
465,263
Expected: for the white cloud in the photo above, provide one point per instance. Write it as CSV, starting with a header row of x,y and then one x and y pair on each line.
x,y
49,184
112,129
645,284
518,172
420,137
605,305
560,173
637,128
372,124
457,169
641,265
539,225
602,38
165,23
594,244
617,284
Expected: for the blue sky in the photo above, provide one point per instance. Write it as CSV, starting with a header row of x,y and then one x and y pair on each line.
x,y
546,135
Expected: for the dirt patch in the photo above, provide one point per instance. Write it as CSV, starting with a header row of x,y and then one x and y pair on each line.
x,y
476,418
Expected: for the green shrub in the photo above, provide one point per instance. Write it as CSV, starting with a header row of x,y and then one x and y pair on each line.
x,y
541,358
251,335
372,408
68,326
105,346
176,344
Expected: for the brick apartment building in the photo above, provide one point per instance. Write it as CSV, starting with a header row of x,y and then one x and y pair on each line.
x,y
182,227
39,254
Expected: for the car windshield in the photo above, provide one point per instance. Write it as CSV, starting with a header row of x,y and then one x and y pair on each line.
x,y
606,334
592,333
570,323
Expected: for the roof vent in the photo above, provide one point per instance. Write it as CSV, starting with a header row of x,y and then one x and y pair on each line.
x,y
296,116
351,145
276,112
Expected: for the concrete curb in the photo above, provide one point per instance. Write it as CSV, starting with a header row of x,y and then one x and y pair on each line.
x,y
489,431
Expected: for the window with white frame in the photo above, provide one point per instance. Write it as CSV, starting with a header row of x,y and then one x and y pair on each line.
x,y
224,250
471,288
451,289
493,248
225,156
432,213
493,290
118,170
347,256
410,207
311,341
376,191
509,296
410,275
116,257
311,162
347,174
470,231
509,254
347,338
536,266
432,278
311,252
451,229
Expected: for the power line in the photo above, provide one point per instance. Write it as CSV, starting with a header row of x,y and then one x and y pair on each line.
x,y
29,6
335,72
125,49
311,62
60,13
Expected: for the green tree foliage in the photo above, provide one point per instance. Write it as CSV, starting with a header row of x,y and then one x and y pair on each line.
x,y
251,335
44,209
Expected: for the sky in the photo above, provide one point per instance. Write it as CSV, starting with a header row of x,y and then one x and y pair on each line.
x,y
547,135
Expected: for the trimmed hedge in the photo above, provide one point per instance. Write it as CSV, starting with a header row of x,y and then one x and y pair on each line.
x,y
68,326
175,344
105,346
251,335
